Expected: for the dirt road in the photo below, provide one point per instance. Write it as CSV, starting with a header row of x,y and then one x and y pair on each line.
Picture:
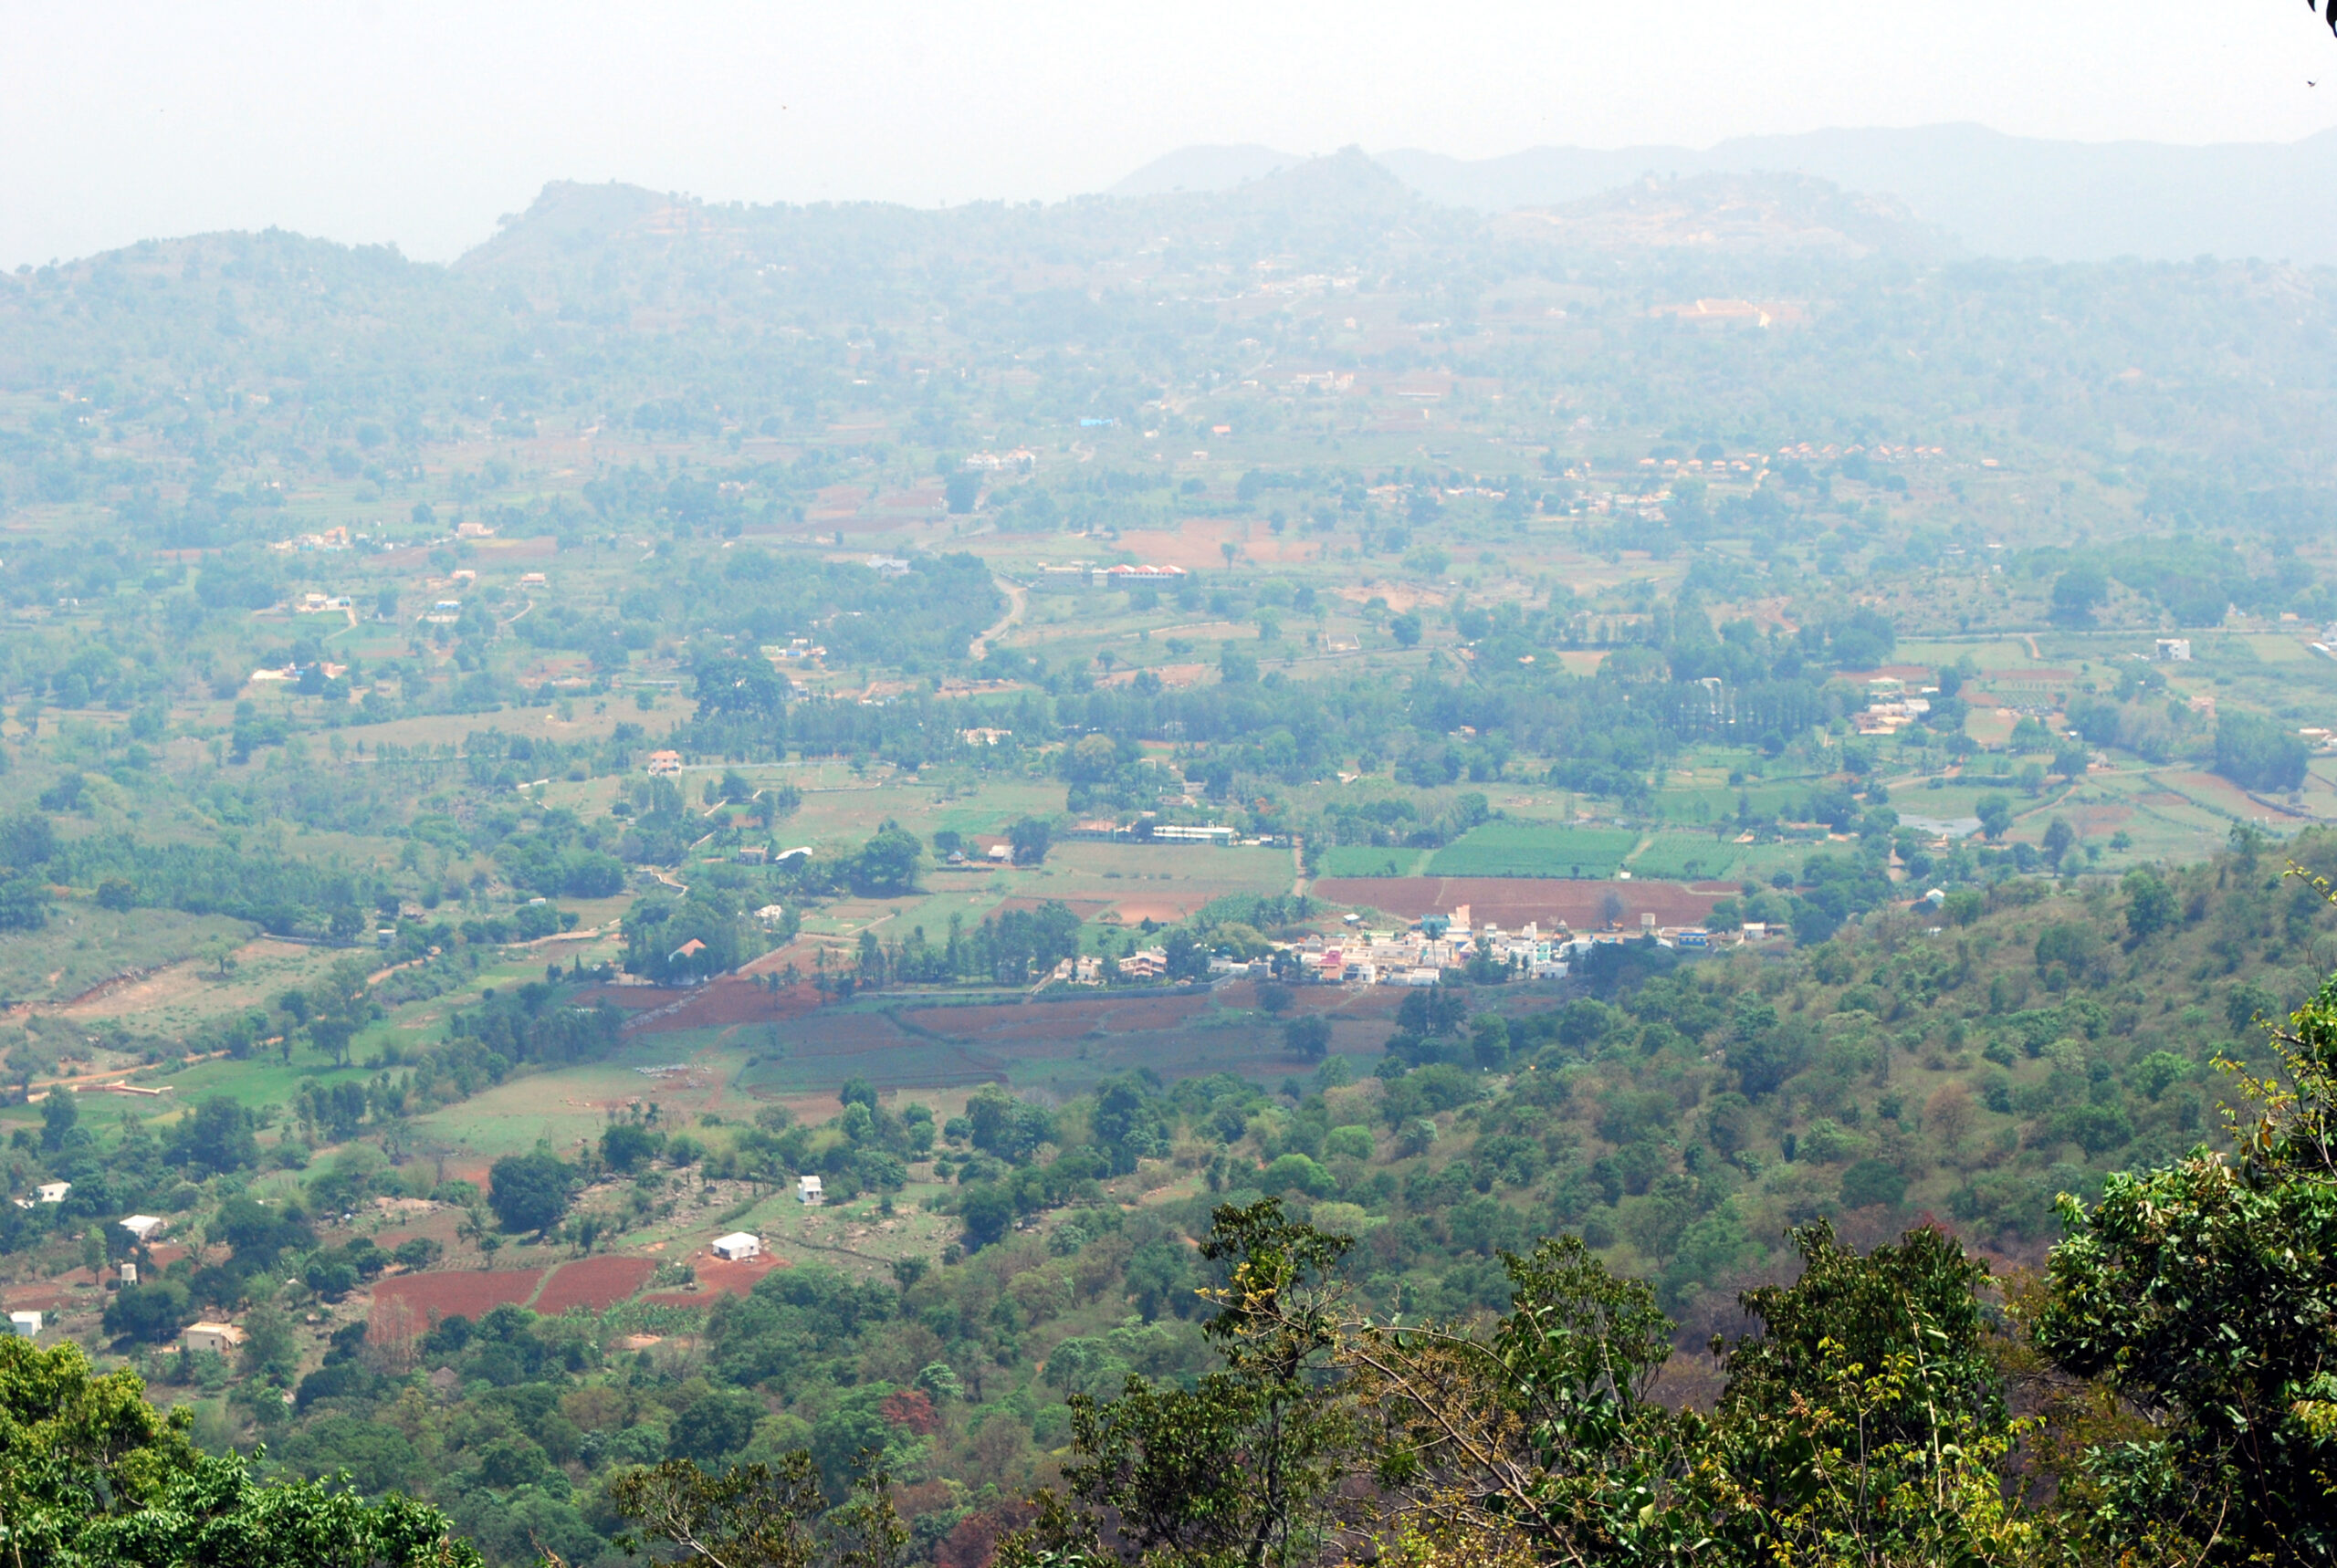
x,y
1018,598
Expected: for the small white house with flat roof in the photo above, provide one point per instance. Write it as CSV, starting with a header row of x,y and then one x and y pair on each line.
x,y
738,1246
221,1338
807,1190
142,1225
54,1191
24,1325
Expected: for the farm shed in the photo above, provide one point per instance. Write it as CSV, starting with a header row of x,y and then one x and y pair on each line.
x,y
221,1337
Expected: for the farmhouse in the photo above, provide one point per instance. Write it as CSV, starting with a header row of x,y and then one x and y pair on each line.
x,y
221,1338
143,1226
24,1325
807,1190
738,1246
54,1191
665,762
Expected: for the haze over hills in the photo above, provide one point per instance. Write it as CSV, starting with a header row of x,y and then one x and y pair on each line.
x,y
1998,194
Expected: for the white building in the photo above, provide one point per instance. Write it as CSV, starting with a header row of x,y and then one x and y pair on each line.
x,y
807,1190
2176,650
54,1191
220,1338
739,1246
143,1226
24,1325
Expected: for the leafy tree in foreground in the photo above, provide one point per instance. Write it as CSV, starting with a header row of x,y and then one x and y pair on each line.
x,y
1238,1468
90,1473
1865,1423
2206,1294
1541,1428
755,1516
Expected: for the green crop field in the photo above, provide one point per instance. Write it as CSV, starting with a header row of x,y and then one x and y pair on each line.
x,y
1686,857
1534,848
1363,859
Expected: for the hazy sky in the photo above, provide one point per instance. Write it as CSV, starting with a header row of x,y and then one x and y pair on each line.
x,y
421,123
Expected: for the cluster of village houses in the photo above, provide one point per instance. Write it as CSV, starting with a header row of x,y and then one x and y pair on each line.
x,y
1417,955
220,1337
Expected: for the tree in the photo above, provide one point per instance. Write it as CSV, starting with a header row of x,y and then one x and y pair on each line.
x,y
1308,1038
2076,592
750,1517
2059,837
2256,752
90,1473
2150,904
271,1347
2200,1292
716,1426
1543,1425
58,1115
1236,1469
988,1211
333,1036
739,687
530,1192
888,863
1031,839
219,1137
1866,1421
1405,628
1995,812
150,1313
628,1145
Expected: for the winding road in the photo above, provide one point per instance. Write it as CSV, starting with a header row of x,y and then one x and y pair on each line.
x,y
1018,598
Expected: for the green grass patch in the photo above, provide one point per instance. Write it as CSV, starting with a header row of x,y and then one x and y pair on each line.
x,y
1535,849
1363,859
1685,857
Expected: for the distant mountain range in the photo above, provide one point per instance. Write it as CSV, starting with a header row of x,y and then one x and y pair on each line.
x,y
1996,194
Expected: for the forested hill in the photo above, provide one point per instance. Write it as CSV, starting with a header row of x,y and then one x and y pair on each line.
x,y
671,315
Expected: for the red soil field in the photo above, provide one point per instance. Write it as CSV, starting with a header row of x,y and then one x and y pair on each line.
x,y
51,1297
424,1299
719,1277
1514,901
1165,908
1060,1020
594,1283
732,999
1194,545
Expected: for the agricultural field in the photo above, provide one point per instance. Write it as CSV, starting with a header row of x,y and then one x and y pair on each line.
x,y
473,834
1534,850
